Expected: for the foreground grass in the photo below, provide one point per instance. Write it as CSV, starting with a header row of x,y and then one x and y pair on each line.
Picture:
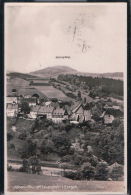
x,y
39,183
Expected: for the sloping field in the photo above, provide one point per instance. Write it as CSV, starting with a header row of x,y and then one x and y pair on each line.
x,y
52,92
39,183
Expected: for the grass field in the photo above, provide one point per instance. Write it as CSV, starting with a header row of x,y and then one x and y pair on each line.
x,y
52,92
27,182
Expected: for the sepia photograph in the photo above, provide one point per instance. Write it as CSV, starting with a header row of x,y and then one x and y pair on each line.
x,y
65,98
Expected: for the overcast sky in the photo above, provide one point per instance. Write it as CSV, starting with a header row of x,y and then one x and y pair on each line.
x,y
92,36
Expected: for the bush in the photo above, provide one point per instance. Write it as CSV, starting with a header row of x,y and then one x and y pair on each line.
x,y
71,175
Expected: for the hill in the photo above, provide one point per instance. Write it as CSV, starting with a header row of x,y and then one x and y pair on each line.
x,y
54,71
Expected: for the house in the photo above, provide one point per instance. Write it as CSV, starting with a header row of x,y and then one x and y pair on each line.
x,y
46,111
80,114
58,115
34,112
11,100
12,110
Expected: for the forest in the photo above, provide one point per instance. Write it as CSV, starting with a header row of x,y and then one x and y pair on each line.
x,y
97,86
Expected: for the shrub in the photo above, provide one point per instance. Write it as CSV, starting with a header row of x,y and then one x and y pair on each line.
x,y
71,175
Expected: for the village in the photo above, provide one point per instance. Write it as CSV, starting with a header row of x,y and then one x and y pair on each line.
x,y
57,111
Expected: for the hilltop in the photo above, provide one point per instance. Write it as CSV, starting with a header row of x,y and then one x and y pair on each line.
x,y
54,71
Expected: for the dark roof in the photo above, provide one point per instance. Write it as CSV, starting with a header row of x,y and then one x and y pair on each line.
x,y
29,100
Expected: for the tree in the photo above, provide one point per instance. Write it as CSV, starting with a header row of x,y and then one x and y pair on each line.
x,y
62,143
28,149
47,146
102,171
79,94
87,171
25,108
117,172
84,100
10,136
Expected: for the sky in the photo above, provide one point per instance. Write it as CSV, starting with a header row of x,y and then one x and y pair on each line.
x,y
89,37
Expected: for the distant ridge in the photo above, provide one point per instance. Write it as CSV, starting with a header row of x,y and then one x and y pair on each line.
x,y
20,75
54,71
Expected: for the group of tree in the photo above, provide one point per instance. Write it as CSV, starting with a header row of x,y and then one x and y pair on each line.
x,y
97,86
44,138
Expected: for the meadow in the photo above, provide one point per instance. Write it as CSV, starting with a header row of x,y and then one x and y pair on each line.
x,y
40,183
52,92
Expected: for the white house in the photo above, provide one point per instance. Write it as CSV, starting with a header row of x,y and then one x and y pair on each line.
x,y
11,100
12,110
58,115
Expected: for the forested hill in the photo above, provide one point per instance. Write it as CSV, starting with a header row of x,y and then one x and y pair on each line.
x,y
100,86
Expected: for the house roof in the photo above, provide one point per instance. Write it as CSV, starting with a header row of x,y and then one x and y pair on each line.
x,y
75,109
116,107
12,106
114,165
46,109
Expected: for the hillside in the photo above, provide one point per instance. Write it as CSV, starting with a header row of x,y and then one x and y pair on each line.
x,y
13,75
113,75
54,71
